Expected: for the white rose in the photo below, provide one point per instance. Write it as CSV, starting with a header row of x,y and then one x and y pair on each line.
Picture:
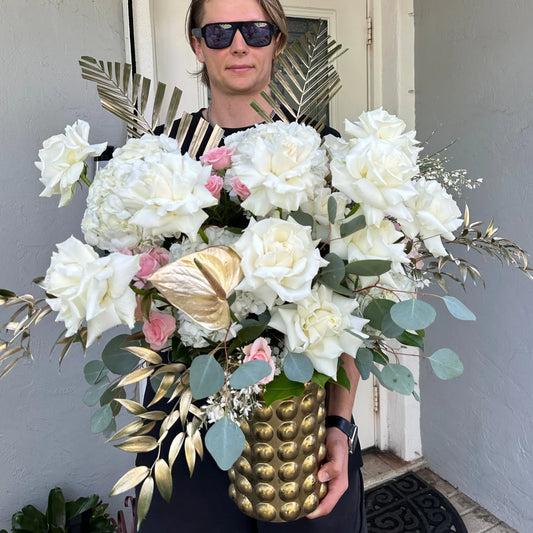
x,y
319,326
435,214
147,192
166,195
373,242
88,287
62,160
377,174
278,258
281,165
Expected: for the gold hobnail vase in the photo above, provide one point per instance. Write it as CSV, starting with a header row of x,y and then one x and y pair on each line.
x,y
275,478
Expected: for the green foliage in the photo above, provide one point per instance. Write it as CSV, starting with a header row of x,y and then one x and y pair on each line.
x,y
84,515
118,360
298,367
249,374
207,376
413,314
280,388
225,441
446,364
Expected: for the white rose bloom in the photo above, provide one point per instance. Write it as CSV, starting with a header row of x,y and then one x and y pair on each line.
x,y
281,164
88,287
373,242
435,214
319,326
62,160
147,192
377,174
167,194
278,258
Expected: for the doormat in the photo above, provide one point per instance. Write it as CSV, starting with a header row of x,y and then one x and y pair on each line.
x,y
409,504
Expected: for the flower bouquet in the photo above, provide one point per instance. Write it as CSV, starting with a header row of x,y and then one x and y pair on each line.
x,y
244,277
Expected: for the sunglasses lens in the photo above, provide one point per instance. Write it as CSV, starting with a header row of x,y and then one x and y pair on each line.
x,y
220,34
257,33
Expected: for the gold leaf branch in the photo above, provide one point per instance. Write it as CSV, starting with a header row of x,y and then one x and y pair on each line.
x,y
306,80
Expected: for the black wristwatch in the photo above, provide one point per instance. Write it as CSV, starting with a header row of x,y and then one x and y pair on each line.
x,y
334,421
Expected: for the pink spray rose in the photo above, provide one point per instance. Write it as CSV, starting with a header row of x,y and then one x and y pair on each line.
x,y
152,261
219,158
214,185
259,350
158,329
242,191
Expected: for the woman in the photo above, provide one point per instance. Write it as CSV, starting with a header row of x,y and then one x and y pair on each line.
x,y
237,64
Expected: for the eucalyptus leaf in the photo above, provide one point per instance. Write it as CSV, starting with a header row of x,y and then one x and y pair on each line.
x,y
334,272
368,267
411,339
118,360
249,374
364,361
298,367
413,314
458,309
206,376
101,419
389,328
93,394
356,224
304,219
225,441
446,364
110,430
398,378
376,310
280,388
332,209
94,371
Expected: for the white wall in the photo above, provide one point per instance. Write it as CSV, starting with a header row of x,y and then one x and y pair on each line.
x,y
45,437
473,82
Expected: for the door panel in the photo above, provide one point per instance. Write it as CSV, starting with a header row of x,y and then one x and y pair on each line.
x,y
174,63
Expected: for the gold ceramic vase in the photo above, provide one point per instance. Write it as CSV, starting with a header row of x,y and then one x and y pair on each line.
x,y
275,478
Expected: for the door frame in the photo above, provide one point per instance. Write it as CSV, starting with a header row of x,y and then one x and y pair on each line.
x,y
390,64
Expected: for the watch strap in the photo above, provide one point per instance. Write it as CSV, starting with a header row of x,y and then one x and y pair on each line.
x,y
347,427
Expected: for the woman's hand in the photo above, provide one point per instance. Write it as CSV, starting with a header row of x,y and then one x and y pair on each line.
x,y
334,471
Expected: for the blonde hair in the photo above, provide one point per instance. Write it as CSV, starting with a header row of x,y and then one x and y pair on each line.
x,y
273,10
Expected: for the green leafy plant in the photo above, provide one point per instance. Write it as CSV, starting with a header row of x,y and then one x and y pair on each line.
x,y
84,515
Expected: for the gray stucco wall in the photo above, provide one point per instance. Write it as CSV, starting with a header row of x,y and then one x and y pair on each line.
x,y
473,82
45,438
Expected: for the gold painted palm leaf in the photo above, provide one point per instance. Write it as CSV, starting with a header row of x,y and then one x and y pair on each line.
x,y
126,94
306,80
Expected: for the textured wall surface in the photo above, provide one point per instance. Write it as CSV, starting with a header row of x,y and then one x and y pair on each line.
x,y
473,82
45,438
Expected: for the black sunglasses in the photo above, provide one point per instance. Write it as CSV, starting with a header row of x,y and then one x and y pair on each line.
x,y
220,35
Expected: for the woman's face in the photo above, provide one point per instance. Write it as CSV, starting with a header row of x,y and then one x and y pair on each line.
x,y
239,69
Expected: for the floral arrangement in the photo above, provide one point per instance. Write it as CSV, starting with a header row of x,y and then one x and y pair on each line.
x,y
247,274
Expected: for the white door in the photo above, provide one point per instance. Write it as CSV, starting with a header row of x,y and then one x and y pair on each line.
x,y
166,56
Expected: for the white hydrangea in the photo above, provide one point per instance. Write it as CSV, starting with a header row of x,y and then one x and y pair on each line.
x,y
281,165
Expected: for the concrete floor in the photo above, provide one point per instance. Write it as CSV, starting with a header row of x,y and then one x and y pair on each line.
x,y
382,466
